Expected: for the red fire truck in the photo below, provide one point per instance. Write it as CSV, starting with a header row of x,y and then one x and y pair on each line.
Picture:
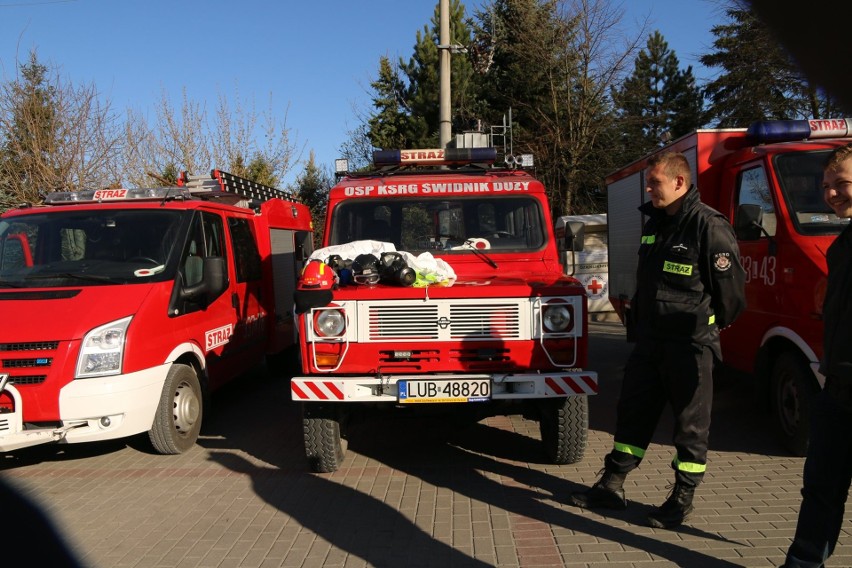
x,y
124,308
767,179
502,331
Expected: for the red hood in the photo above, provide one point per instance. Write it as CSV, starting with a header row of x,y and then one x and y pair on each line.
x,y
518,284
60,314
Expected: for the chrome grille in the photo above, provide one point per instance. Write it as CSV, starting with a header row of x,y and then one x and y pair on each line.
x,y
404,322
488,321
444,320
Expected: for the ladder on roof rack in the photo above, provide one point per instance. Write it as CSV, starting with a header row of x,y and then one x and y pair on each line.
x,y
223,184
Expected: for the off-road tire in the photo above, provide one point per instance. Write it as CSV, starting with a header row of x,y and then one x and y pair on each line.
x,y
325,438
792,391
178,418
564,426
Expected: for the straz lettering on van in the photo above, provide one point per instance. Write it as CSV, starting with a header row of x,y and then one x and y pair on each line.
x,y
218,337
675,268
436,188
421,155
835,127
102,194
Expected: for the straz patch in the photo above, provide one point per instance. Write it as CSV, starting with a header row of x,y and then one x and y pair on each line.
x,y
676,268
722,261
218,337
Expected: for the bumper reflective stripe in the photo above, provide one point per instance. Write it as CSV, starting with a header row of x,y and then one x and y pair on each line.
x,y
689,467
628,449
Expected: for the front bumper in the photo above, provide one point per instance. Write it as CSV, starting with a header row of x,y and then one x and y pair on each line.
x,y
91,410
516,386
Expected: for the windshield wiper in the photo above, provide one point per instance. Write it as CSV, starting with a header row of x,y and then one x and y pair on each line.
x,y
470,244
73,276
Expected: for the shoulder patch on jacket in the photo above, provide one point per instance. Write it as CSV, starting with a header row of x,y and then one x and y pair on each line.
x,y
722,261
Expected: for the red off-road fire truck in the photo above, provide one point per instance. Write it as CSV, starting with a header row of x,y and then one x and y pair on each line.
x,y
123,308
505,333
767,179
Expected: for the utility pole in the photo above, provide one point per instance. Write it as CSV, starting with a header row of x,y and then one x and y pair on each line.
x,y
444,49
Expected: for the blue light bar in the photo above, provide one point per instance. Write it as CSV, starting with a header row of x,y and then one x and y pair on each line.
x,y
788,130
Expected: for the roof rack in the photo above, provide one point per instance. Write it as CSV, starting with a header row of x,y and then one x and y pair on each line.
x,y
225,186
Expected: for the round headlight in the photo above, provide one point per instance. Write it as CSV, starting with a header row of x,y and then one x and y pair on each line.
x,y
556,318
330,323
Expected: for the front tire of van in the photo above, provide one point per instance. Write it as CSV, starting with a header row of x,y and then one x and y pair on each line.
x,y
178,419
793,389
325,436
564,427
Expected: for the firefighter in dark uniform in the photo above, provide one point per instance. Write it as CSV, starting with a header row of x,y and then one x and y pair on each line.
x,y
690,285
828,467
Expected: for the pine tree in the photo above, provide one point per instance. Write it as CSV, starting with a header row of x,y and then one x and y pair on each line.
x,y
30,134
423,75
406,97
392,124
312,187
658,101
759,80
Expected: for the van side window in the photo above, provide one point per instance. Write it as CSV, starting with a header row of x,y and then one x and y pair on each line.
x,y
205,240
246,255
753,188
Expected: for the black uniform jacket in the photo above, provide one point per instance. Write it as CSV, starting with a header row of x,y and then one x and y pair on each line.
x,y
837,310
690,283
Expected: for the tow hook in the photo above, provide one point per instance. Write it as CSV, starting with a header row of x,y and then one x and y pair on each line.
x,y
380,389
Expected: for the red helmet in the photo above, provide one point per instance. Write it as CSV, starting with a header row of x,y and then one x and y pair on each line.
x,y
317,275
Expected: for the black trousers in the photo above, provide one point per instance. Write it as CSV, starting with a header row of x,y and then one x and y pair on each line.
x,y
826,479
660,374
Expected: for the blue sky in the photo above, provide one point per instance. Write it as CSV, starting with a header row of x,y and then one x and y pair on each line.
x,y
316,57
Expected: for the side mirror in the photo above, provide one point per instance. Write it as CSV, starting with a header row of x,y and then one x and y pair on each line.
x,y
575,235
213,282
570,237
749,225
749,222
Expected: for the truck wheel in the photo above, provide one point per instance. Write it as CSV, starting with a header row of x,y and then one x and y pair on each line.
x,y
325,440
564,425
178,418
793,389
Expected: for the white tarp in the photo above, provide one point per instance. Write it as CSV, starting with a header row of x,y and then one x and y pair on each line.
x,y
430,271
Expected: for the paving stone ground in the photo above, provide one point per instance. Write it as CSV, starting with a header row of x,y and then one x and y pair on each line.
x,y
414,491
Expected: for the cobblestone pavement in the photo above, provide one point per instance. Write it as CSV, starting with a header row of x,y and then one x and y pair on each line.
x,y
413,492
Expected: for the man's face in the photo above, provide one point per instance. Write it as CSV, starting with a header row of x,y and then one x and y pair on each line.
x,y
837,189
663,190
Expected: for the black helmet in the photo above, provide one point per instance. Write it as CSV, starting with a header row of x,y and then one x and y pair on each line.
x,y
365,269
336,262
395,270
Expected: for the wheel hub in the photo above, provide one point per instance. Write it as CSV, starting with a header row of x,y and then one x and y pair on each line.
x,y
187,408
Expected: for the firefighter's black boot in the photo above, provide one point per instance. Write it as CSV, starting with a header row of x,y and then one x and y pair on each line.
x,y
606,493
676,508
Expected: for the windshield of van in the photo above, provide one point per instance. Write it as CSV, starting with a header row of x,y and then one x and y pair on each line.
x,y
505,224
800,177
87,248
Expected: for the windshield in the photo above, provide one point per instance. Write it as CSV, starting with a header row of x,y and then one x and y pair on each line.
x,y
800,177
506,224
86,247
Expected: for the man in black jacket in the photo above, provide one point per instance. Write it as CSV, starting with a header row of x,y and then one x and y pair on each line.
x,y
828,466
690,285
